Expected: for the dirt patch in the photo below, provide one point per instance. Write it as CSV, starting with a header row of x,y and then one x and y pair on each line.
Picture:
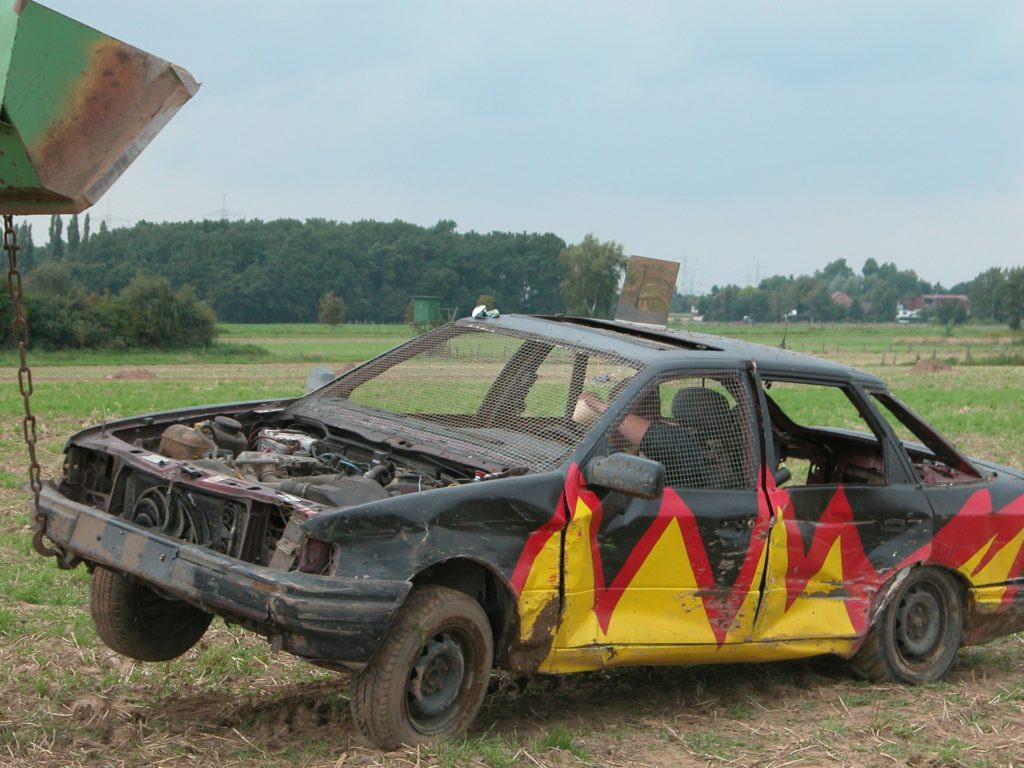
x,y
135,374
932,366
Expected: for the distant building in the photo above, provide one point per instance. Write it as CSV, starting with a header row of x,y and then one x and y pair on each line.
x,y
842,298
934,300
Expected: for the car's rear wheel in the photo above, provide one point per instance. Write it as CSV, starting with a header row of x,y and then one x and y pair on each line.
x,y
916,637
135,621
430,675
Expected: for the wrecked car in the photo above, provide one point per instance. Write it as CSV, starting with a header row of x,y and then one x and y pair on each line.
x,y
546,495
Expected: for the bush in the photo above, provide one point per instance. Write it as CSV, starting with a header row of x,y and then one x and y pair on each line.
x,y
158,317
146,314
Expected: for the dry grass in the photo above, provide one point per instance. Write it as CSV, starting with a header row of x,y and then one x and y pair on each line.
x,y
103,710
65,700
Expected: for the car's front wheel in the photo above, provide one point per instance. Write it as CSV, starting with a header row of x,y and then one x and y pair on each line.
x,y
430,675
916,637
136,622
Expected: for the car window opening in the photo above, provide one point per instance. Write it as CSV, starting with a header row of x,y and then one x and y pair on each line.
x,y
821,436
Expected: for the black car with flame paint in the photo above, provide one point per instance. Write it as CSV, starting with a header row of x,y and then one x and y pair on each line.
x,y
546,495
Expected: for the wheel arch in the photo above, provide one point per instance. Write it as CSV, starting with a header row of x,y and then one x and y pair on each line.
x,y
485,585
888,589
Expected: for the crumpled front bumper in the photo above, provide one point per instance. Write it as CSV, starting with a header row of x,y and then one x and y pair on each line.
x,y
322,618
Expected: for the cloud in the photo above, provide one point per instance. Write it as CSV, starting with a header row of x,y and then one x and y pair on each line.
x,y
738,133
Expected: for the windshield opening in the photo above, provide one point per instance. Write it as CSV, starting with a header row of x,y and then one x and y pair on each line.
x,y
500,395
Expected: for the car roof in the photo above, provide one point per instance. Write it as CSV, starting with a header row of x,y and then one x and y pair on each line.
x,y
665,348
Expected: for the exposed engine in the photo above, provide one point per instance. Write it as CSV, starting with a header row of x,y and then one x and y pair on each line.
x,y
293,462
241,489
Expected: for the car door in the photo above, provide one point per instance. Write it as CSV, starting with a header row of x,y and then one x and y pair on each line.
x,y
652,580
846,512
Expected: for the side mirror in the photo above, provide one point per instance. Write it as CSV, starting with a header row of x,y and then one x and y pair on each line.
x,y
628,474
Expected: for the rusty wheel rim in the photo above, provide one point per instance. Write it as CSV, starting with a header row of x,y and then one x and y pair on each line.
x,y
920,625
436,682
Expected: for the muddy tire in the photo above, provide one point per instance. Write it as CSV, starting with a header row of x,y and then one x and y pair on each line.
x,y
135,621
430,675
916,637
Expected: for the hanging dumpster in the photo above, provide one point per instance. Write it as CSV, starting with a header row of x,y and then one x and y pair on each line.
x,y
76,108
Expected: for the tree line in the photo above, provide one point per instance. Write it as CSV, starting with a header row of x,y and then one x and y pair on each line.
x,y
277,271
294,271
837,293
81,283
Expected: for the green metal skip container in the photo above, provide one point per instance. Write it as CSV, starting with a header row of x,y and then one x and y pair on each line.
x,y
76,108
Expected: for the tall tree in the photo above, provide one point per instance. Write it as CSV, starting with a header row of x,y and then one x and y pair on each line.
x,y
1011,297
26,248
592,272
56,245
985,295
85,229
74,234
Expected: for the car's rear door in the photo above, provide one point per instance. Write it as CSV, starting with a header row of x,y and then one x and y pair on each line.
x,y
847,517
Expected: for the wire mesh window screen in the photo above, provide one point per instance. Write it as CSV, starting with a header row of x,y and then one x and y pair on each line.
x,y
452,377
698,426
552,384
509,397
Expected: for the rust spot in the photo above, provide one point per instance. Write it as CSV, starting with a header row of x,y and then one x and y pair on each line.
x,y
986,624
97,120
107,119
839,593
527,654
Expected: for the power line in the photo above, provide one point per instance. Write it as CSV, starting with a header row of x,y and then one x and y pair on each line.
x,y
111,220
222,213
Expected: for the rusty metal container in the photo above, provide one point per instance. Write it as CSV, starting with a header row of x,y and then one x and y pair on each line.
x,y
76,108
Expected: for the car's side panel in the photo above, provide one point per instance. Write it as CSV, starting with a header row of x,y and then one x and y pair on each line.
x,y
832,549
674,589
512,527
662,575
489,522
979,531
980,536
566,660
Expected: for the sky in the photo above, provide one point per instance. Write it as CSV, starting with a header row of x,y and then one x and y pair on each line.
x,y
743,139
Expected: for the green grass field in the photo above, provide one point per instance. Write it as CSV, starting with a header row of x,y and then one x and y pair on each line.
x,y
247,344
860,345
883,343
66,700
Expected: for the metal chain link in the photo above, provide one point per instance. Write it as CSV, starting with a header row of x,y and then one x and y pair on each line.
x,y
28,422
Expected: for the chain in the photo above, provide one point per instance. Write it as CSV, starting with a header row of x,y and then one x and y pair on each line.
x,y
28,422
